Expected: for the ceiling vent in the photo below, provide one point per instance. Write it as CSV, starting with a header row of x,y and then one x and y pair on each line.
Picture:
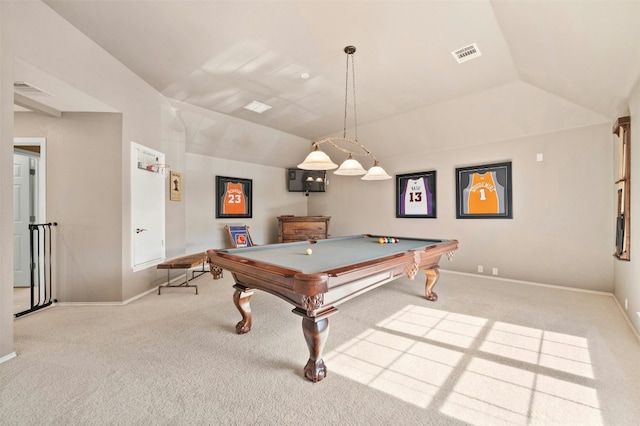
x,y
27,89
466,53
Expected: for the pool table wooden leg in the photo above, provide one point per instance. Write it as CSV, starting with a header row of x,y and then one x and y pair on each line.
x,y
242,299
432,278
315,334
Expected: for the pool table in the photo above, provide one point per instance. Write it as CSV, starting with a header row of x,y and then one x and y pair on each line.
x,y
337,270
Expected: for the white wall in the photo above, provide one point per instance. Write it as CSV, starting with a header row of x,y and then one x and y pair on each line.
x,y
270,200
173,146
84,199
562,230
627,274
44,40
34,34
6,193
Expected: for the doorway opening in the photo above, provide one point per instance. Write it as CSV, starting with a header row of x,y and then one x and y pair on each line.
x,y
29,198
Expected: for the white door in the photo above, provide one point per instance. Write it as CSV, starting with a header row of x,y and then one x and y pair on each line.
x,y
22,211
32,191
147,207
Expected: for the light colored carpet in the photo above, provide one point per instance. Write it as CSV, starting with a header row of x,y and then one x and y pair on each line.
x,y
487,352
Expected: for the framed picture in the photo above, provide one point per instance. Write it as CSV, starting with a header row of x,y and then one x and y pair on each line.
x,y
233,197
484,192
416,195
175,186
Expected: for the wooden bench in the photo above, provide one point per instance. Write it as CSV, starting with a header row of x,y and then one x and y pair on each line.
x,y
186,263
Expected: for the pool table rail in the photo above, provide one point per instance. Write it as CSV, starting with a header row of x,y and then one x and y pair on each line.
x,y
312,292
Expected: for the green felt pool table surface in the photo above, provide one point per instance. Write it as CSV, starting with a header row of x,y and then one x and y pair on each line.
x,y
328,254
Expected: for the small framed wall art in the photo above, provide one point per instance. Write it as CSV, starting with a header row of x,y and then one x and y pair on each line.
x,y
175,186
234,197
484,192
416,195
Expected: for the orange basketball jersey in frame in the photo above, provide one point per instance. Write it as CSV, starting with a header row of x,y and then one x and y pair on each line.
x,y
484,194
235,201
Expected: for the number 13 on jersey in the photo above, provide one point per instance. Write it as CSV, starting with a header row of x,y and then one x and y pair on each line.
x,y
416,195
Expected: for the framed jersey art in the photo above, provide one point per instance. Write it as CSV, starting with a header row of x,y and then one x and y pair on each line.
x,y
233,197
416,195
484,192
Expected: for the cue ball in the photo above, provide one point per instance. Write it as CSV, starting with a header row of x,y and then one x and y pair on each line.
x,y
309,251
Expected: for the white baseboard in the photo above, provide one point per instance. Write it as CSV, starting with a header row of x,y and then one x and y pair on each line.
x,y
125,302
7,357
624,314
558,287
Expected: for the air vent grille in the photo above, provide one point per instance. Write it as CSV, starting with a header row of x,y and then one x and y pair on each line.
x,y
466,53
28,89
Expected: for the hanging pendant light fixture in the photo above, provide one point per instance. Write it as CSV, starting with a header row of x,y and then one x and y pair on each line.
x,y
318,160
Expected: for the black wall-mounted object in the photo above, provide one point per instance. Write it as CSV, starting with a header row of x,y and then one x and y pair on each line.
x,y
299,180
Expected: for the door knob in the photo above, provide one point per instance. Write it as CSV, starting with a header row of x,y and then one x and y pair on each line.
x,y
139,230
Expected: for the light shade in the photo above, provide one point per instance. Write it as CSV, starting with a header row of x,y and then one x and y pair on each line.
x,y
350,167
376,173
317,160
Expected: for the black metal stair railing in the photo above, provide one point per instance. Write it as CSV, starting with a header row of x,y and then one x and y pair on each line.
x,y
41,270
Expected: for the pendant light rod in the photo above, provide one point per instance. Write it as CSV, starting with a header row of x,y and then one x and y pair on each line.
x,y
318,160
350,50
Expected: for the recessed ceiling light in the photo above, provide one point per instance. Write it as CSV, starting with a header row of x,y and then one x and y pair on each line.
x,y
304,75
256,106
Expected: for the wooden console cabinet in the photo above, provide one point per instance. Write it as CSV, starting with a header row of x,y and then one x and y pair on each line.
x,y
302,228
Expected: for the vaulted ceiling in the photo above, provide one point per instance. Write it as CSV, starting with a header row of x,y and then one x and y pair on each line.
x,y
567,58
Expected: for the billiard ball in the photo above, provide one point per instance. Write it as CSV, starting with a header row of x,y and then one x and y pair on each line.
x,y
309,251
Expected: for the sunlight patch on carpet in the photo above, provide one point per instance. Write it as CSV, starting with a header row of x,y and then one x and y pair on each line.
x,y
473,369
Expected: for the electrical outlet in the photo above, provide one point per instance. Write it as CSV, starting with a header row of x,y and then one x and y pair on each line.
x,y
480,268
495,271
